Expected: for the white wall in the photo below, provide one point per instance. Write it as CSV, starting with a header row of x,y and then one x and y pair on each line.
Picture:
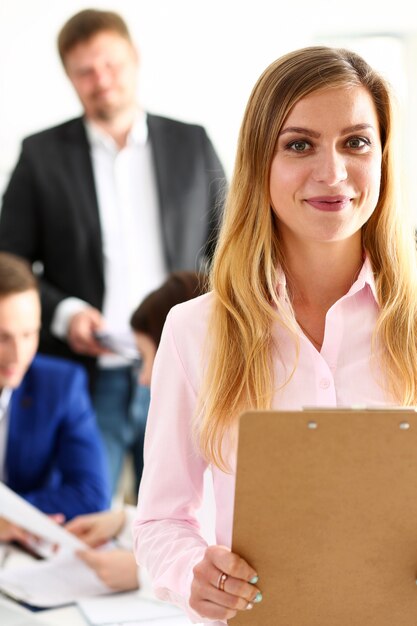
x,y
199,59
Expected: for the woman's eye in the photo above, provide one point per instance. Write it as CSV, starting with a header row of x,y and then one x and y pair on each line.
x,y
299,146
358,142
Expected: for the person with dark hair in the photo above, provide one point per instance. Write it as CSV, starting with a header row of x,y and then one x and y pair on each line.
x,y
108,204
117,567
51,452
87,23
148,320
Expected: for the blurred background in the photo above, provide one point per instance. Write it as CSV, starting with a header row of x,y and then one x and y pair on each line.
x,y
200,60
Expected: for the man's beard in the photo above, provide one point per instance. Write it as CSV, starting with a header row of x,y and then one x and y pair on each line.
x,y
107,113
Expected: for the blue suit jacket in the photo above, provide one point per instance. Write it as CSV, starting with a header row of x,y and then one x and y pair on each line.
x,y
54,454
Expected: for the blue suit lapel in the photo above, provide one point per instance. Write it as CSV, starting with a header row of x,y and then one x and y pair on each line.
x,y
20,438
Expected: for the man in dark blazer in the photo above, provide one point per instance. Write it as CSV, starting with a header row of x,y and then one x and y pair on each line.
x,y
108,204
50,212
51,452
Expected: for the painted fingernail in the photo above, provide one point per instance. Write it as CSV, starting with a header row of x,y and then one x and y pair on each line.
x,y
254,580
249,606
258,597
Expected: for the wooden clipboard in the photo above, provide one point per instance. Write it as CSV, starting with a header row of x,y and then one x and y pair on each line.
x,y
326,512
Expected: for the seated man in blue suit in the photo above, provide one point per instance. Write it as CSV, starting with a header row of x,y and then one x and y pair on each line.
x,y
50,448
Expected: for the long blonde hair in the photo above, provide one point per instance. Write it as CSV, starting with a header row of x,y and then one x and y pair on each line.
x,y
239,372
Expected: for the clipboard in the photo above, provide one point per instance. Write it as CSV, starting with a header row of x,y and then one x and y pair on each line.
x,y
326,512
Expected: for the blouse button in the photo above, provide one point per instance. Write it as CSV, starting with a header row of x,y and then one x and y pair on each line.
x,y
324,383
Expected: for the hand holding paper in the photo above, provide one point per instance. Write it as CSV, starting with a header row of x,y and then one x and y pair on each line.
x,y
27,517
11,532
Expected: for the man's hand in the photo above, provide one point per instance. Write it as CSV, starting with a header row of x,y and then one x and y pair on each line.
x,y
116,568
81,331
97,528
11,532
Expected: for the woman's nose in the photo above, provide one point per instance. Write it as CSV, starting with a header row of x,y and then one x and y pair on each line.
x,y
330,167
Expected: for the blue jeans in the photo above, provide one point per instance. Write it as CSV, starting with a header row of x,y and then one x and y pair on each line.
x,y
121,405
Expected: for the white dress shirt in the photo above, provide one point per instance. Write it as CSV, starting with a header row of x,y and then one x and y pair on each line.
x,y
5,396
134,263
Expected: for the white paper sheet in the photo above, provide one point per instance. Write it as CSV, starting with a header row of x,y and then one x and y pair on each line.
x,y
60,580
126,607
164,621
17,510
122,344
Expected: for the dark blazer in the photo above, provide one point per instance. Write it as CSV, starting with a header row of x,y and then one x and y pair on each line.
x,y
50,211
54,454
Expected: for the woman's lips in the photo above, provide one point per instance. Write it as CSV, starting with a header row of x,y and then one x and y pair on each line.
x,y
329,203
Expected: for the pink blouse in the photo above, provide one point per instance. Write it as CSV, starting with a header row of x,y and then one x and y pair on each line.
x,y
166,533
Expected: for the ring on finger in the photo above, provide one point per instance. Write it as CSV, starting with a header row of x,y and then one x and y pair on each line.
x,y
221,581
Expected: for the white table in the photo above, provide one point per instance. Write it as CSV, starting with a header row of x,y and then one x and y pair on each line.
x,y
68,615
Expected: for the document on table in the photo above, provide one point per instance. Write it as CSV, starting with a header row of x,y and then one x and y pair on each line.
x,y
163,621
17,510
130,608
62,579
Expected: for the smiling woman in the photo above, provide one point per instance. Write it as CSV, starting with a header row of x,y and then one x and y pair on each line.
x,y
313,303
326,171
324,186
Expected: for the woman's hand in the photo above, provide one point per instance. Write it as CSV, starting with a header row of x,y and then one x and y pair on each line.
x,y
116,568
97,528
221,597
